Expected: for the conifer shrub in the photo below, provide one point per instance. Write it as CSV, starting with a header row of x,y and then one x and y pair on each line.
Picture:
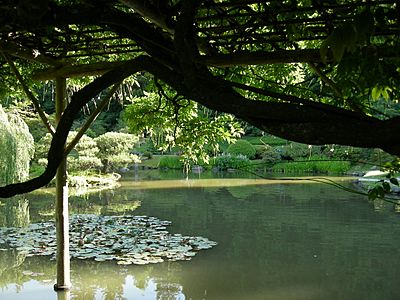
x,y
270,155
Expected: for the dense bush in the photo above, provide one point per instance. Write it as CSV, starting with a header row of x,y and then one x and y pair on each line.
x,y
114,150
170,162
228,161
109,151
242,147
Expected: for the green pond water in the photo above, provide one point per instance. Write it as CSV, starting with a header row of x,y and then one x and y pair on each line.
x,y
276,240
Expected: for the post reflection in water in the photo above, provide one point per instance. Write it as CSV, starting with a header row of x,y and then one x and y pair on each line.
x,y
63,295
275,241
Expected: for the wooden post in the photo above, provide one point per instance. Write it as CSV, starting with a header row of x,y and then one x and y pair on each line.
x,y
62,215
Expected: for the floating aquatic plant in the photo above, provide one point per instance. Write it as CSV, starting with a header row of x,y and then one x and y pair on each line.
x,y
125,239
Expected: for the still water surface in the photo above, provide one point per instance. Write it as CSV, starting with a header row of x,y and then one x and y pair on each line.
x,y
276,240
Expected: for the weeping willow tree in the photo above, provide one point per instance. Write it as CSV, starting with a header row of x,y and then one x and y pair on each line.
x,y
16,148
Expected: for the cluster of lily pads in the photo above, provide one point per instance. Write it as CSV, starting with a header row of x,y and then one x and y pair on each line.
x,y
126,239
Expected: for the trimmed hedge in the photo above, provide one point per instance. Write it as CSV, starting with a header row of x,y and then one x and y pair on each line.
x,y
242,147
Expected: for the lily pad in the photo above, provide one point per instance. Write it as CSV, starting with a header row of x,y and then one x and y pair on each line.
x,y
126,239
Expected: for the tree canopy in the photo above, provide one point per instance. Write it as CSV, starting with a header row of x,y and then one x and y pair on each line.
x,y
311,71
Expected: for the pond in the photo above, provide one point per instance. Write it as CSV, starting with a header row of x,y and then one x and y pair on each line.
x,y
276,240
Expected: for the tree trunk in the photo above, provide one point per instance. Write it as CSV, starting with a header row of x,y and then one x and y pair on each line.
x,y
62,215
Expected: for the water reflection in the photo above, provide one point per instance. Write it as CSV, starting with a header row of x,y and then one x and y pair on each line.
x,y
14,212
276,241
90,280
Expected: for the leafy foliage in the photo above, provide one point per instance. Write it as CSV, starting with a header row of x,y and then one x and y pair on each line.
x,y
16,147
180,123
385,186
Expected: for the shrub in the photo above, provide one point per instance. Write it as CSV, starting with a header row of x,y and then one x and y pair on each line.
x,y
114,149
270,155
227,161
242,147
170,162
314,165
83,163
148,154
296,151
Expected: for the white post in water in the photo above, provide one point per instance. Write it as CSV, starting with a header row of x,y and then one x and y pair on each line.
x,y
62,215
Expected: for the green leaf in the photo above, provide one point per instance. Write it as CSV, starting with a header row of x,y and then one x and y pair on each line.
x,y
375,93
372,194
394,181
386,187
